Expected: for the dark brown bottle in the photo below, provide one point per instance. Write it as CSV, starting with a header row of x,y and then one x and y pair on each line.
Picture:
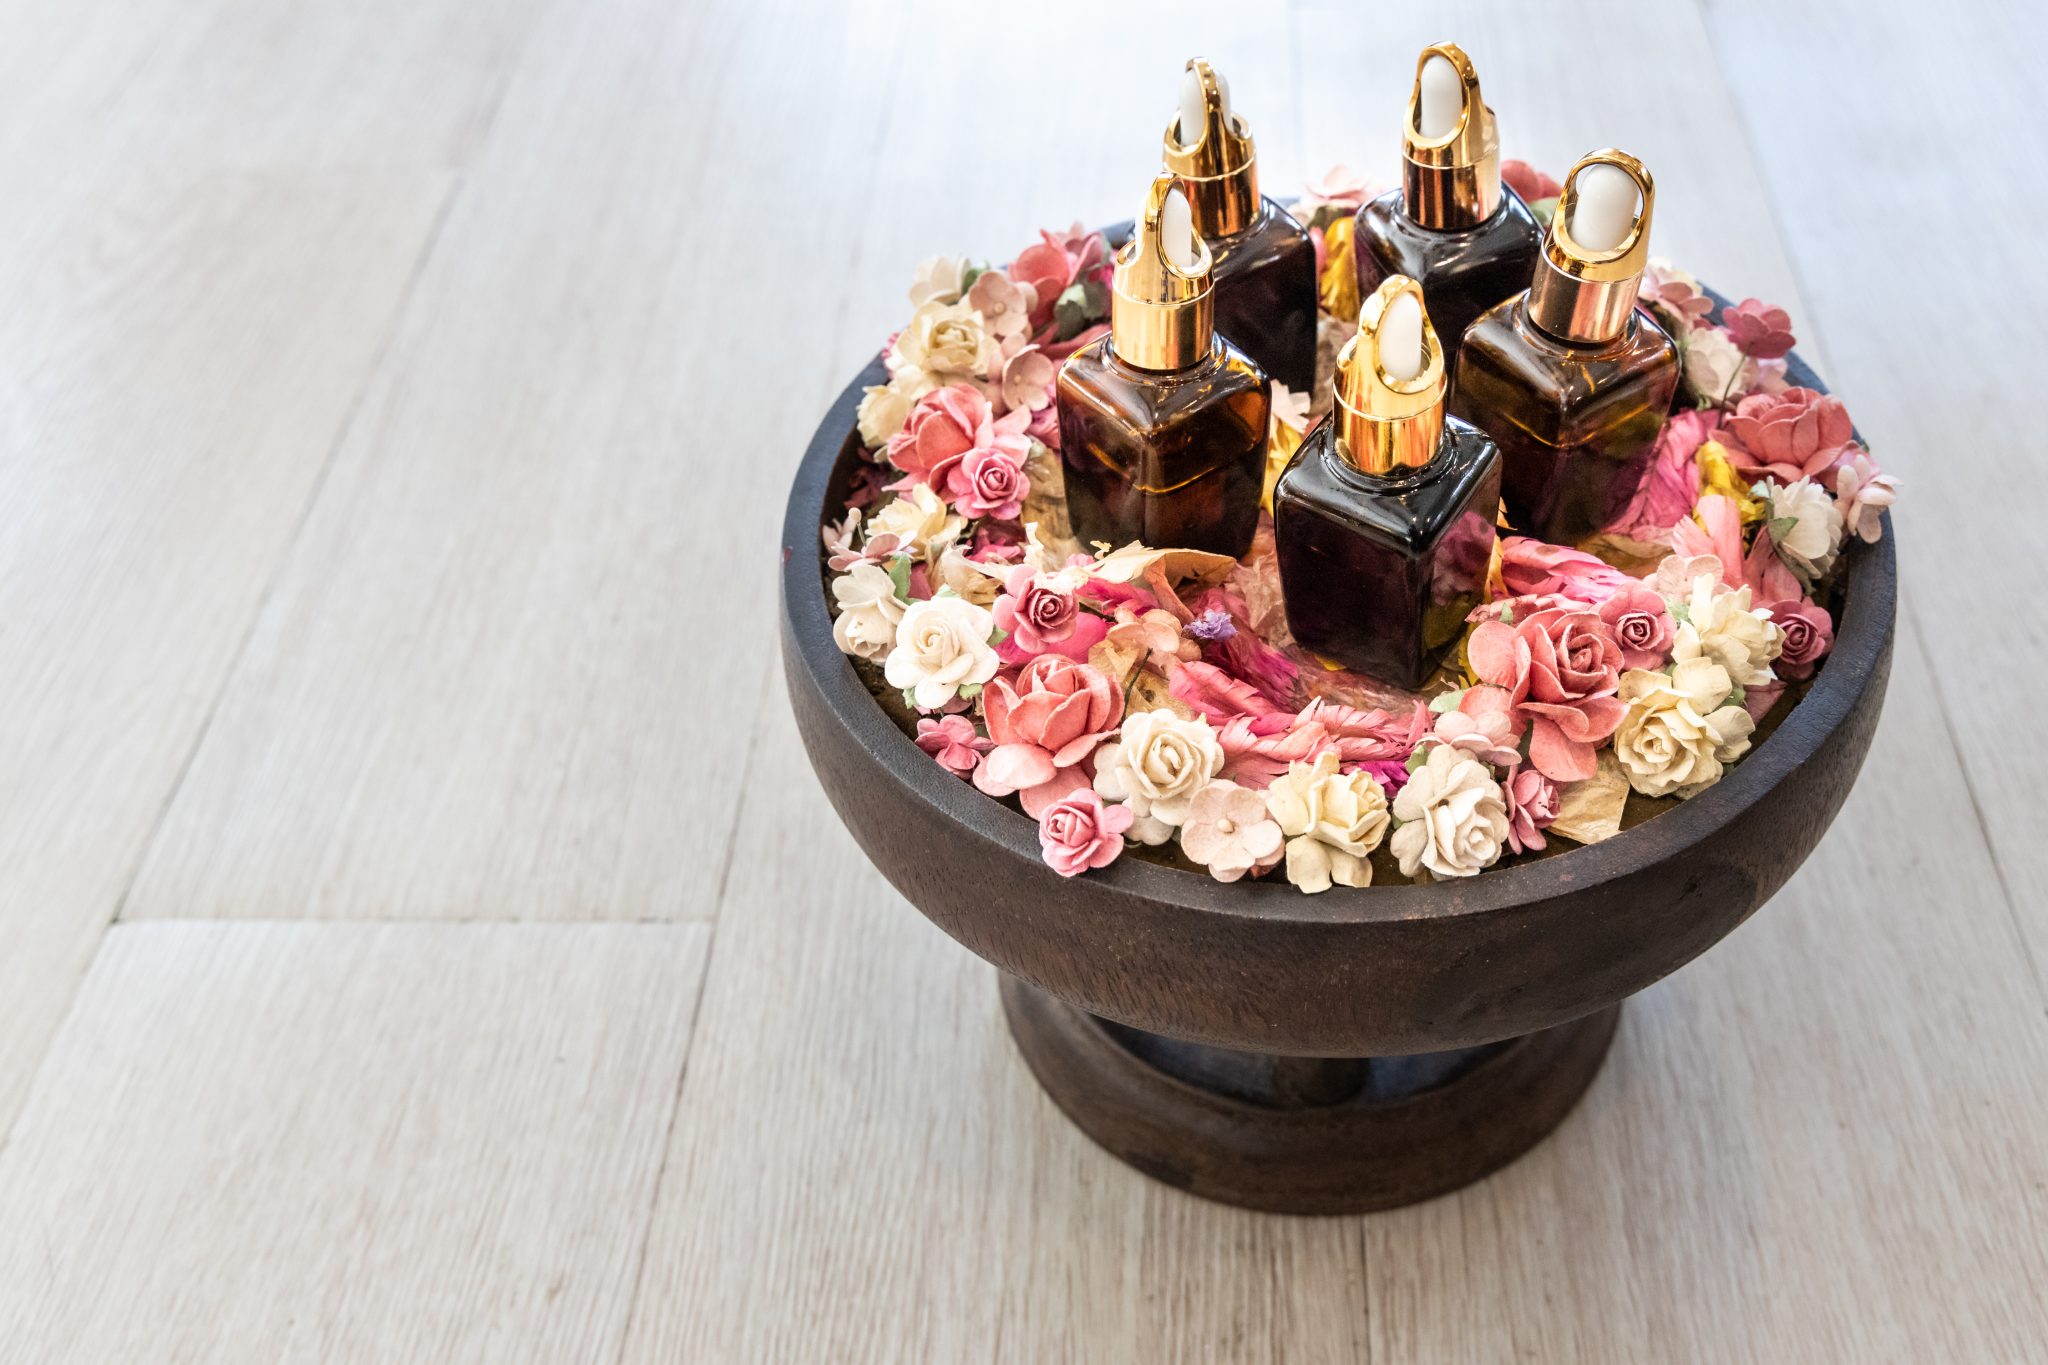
x,y
1163,422
1383,520
1264,265
1453,226
1570,377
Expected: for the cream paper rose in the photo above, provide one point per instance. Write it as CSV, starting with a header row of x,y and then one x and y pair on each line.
x,y
1805,525
947,343
920,522
1680,729
953,569
939,278
1155,765
1714,364
869,611
884,408
941,646
1454,818
1332,820
1720,627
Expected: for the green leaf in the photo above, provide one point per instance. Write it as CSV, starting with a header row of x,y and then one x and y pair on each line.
x,y
899,574
1681,611
1417,758
969,276
1079,306
1445,702
1780,527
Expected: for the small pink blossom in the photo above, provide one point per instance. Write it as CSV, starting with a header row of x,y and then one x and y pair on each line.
x,y
1078,832
1642,626
1863,492
988,481
1533,568
1028,380
1759,329
1340,185
842,554
1809,635
1533,801
952,741
1229,831
1789,436
1561,669
1005,306
1044,724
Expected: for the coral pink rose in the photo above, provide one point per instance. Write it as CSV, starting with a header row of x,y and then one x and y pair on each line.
x,y
1078,832
988,481
1809,635
1657,490
952,741
1045,724
1533,802
1789,436
945,425
1528,182
1759,329
1561,669
1642,626
1531,568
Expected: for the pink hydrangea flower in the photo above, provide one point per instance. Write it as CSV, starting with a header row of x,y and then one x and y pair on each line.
x,y
1533,802
1561,669
1229,831
1863,492
1642,626
952,741
1789,436
1531,568
1078,832
945,425
1044,724
988,481
1809,635
1759,329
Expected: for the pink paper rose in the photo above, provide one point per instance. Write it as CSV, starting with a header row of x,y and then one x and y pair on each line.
x,y
1532,801
1789,436
1531,568
1043,614
1759,329
945,425
1809,635
952,741
1078,832
1044,724
1561,669
988,481
1642,626
1054,262
1528,182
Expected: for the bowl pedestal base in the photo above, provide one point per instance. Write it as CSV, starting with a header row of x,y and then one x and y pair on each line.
x,y
1320,1135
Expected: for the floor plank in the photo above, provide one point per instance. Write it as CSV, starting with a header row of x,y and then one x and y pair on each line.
x,y
519,637
165,414
329,1143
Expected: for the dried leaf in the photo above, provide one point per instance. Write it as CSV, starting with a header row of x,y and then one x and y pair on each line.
x,y
1046,505
1590,811
1149,693
1129,564
1117,662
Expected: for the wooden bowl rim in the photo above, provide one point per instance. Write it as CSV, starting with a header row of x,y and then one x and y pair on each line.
x,y
1869,593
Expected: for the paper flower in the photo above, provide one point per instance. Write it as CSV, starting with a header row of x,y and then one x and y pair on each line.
x,y
869,611
1078,832
1530,183
1044,725
1028,378
1805,526
1642,626
1863,493
1662,483
1797,434
1533,801
1759,329
1005,307
1560,668
1453,817
988,482
946,343
1714,365
1332,820
945,426
1720,627
952,741
884,408
1681,728
1809,635
919,521
1156,764
1533,568
941,646
1674,295
1228,831
1487,732
938,280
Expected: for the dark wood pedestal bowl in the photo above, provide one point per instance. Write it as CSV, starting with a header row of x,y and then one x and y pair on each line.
x,y
1337,1053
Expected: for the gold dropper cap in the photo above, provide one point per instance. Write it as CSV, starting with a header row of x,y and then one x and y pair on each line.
x,y
1452,181
1386,424
1161,315
1586,296
1220,167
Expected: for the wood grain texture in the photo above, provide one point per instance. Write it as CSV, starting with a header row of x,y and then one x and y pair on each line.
x,y
520,636
165,412
324,1143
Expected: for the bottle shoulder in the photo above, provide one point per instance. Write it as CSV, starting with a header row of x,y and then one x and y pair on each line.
x,y
1151,400
1413,506
1273,235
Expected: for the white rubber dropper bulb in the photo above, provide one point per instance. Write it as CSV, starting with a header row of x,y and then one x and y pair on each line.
x,y
1194,109
1401,338
1443,97
1177,231
1605,206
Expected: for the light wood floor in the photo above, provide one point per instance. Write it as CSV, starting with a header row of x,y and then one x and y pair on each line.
x,y
421,938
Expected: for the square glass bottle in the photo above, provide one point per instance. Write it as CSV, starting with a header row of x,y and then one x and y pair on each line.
x,y
1383,520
